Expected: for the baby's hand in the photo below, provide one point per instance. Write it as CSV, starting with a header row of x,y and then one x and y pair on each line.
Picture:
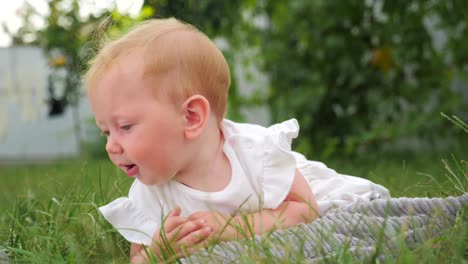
x,y
180,236
223,227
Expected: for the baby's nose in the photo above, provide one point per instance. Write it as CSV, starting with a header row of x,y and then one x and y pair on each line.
x,y
113,146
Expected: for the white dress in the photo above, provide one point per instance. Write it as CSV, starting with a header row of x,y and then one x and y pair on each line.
x,y
263,169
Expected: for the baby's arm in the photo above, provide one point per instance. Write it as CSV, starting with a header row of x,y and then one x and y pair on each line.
x,y
298,207
181,236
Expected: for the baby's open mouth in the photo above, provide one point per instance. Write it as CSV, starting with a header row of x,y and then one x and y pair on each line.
x,y
129,167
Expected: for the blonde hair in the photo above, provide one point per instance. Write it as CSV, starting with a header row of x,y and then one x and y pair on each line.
x,y
171,47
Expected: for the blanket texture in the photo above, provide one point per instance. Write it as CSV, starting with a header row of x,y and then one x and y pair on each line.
x,y
369,231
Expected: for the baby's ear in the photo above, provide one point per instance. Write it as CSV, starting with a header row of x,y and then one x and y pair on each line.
x,y
196,112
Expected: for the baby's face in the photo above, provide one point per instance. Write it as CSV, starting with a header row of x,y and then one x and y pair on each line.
x,y
144,132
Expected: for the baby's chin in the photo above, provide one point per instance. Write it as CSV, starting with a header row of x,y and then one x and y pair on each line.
x,y
150,181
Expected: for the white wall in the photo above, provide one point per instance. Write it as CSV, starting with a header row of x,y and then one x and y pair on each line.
x,y
26,131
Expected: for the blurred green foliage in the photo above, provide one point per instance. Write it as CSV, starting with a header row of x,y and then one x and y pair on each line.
x,y
357,75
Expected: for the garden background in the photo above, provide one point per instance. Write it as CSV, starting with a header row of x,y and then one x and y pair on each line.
x,y
380,89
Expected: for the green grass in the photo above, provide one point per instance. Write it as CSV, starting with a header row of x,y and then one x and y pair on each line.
x,y
48,212
406,174
46,181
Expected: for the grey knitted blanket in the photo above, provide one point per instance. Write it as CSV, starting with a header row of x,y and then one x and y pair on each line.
x,y
367,231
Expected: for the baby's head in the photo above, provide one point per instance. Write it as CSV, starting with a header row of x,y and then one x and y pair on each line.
x,y
170,49
158,93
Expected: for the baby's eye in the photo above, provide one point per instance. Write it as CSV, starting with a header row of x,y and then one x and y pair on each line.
x,y
126,127
105,133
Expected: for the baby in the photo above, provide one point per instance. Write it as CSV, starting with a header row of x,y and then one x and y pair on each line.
x,y
159,95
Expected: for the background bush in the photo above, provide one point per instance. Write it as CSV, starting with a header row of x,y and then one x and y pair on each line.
x,y
358,75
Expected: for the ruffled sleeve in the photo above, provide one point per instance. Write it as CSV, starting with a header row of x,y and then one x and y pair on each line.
x,y
279,163
131,222
137,217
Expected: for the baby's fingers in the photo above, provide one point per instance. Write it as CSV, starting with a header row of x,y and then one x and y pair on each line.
x,y
185,229
197,215
193,242
175,212
173,222
195,237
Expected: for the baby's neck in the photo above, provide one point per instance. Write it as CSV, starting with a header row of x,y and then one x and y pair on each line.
x,y
210,170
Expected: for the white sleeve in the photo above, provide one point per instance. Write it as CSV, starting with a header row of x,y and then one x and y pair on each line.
x,y
130,218
279,163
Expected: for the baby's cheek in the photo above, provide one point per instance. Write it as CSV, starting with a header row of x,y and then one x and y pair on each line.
x,y
151,159
141,148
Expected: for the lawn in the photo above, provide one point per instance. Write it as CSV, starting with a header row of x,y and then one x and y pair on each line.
x,y
48,212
